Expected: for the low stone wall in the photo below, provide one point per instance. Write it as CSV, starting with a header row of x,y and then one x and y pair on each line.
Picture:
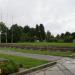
x,y
32,47
30,71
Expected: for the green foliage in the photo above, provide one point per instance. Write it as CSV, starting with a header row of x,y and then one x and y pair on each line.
x,y
26,62
3,30
16,31
47,44
48,36
45,52
29,34
8,67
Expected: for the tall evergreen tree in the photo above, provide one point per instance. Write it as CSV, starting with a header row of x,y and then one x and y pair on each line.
x,y
3,30
16,31
26,29
37,32
73,35
42,32
48,36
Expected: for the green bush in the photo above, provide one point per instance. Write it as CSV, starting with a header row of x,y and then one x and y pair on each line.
x,y
8,67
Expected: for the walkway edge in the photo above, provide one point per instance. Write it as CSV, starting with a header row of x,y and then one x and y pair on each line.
x,y
35,69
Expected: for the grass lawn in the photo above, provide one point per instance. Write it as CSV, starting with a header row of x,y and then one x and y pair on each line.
x,y
48,44
26,62
65,54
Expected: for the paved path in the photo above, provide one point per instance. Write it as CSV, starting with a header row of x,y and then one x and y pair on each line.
x,y
65,66
36,56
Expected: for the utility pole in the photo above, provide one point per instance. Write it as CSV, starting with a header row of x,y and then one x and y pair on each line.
x,y
12,36
6,35
12,31
0,26
6,28
1,15
0,37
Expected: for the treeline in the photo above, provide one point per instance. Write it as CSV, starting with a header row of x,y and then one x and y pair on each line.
x,y
18,33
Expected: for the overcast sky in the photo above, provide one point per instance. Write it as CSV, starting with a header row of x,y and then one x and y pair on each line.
x,y
57,15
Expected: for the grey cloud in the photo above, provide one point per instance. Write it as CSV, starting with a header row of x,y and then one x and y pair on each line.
x,y
57,15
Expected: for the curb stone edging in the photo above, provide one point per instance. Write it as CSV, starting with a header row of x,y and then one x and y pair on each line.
x,y
35,69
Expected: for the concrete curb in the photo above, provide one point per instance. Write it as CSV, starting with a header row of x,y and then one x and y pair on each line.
x,y
35,69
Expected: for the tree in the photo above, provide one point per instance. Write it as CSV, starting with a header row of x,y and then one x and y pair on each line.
x,y
48,36
62,36
73,35
37,32
3,30
26,29
42,35
28,34
58,37
16,32
32,34
67,37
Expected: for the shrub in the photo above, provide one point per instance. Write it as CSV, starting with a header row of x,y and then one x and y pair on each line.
x,y
8,67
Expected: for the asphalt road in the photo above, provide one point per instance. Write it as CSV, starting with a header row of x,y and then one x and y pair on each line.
x,y
36,56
